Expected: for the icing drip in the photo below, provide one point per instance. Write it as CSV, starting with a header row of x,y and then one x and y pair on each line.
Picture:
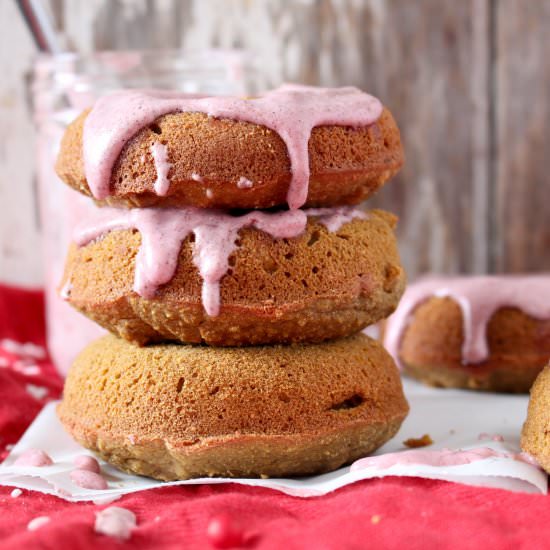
x,y
290,110
164,229
334,218
162,166
479,299
442,458
244,183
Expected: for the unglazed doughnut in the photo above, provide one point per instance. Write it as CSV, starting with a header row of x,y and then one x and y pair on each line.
x,y
535,436
486,332
177,412
337,274
298,145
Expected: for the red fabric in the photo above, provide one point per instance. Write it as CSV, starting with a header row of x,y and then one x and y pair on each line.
x,y
387,513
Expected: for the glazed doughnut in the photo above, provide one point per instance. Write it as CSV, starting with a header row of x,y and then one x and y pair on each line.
x,y
176,412
163,149
291,276
535,436
486,333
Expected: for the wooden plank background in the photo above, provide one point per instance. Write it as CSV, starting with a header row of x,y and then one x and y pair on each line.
x,y
469,83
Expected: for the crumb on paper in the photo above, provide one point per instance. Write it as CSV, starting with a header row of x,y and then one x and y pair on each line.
x,y
416,442
375,519
490,437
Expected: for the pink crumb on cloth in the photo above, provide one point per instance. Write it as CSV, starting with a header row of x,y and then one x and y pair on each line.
x,y
115,522
37,522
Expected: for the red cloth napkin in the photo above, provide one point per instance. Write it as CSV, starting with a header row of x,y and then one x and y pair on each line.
x,y
385,513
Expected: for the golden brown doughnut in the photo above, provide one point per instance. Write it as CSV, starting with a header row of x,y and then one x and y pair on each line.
x,y
314,287
178,412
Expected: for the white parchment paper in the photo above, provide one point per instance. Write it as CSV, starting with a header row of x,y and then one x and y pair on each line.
x,y
454,419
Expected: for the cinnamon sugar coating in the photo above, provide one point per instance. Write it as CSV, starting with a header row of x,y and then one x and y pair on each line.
x,y
209,157
177,412
318,286
431,348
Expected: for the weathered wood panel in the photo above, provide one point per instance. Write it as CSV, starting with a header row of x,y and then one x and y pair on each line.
x,y
522,82
20,256
472,196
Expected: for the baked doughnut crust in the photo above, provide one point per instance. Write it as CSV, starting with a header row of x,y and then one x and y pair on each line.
x,y
314,287
178,412
209,156
431,348
535,436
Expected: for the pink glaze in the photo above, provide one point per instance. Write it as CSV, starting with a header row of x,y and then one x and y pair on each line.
x,y
244,183
442,458
291,110
34,457
162,166
115,522
88,480
164,229
334,218
479,298
86,462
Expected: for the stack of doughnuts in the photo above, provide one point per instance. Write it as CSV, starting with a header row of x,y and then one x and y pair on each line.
x,y
477,332
235,273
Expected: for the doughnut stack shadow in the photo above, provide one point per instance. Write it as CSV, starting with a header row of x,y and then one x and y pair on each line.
x,y
235,273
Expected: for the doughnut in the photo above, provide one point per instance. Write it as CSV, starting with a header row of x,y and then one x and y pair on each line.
x,y
481,332
300,145
171,411
259,278
535,436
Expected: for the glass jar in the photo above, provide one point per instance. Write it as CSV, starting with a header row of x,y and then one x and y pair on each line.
x,y
64,85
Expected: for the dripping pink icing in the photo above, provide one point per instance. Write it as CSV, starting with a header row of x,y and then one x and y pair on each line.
x,y
290,110
162,166
164,229
334,218
442,458
479,297
244,183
